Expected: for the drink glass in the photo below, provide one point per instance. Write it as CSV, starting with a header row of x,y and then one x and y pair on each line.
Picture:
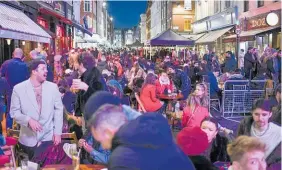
x,y
24,164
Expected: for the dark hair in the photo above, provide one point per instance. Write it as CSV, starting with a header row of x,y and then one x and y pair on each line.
x,y
250,48
211,119
150,79
86,59
33,65
263,104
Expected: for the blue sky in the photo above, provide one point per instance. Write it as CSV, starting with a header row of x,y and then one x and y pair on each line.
x,y
126,14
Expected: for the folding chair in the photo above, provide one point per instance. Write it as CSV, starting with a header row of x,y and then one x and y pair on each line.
x,y
140,105
70,137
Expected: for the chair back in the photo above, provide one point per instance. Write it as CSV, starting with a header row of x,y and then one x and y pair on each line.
x,y
70,137
13,133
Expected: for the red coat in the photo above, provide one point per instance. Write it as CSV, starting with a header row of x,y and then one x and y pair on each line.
x,y
149,99
199,115
161,88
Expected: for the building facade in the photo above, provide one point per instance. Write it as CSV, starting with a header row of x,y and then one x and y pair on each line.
x,y
143,37
148,20
118,40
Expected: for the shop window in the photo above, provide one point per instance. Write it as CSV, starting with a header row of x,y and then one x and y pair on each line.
x,y
187,25
246,5
42,22
86,6
260,3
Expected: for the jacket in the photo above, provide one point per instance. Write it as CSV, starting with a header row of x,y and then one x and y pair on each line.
x,y
24,107
146,143
161,88
191,119
149,98
245,129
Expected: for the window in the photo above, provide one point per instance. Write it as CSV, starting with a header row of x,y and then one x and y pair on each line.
x,y
227,4
216,9
246,5
187,24
260,3
86,6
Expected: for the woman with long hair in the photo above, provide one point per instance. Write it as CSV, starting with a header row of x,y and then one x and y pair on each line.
x,y
148,95
197,107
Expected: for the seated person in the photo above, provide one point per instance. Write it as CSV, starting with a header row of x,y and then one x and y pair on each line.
x,y
261,77
247,153
236,75
194,113
258,126
148,95
193,142
180,80
216,150
164,84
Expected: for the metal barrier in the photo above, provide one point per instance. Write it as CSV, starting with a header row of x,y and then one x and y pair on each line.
x,y
238,97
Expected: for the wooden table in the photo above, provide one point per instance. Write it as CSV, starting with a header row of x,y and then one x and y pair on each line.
x,y
69,167
170,97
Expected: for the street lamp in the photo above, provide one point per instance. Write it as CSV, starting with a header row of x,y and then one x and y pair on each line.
x,y
9,43
111,18
104,4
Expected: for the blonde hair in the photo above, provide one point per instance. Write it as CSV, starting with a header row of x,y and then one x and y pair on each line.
x,y
242,145
193,100
204,101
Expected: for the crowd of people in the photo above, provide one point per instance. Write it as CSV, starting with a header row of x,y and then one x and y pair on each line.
x,y
111,100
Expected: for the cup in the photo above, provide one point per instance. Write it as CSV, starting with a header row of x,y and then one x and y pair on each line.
x,y
24,164
75,162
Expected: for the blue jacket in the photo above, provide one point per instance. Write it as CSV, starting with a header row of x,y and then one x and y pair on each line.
x,y
146,143
15,71
185,83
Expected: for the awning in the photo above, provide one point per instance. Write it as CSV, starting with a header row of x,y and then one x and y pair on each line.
x,y
81,28
193,36
212,35
252,32
14,24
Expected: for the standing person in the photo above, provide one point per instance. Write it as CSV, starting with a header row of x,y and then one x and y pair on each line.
x,y
249,63
37,106
5,91
15,71
273,67
241,58
88,84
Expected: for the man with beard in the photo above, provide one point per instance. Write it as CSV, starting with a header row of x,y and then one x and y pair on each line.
x,y
259,126
37,106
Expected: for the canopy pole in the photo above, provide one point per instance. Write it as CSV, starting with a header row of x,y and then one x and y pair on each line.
x,y
150,52
184,54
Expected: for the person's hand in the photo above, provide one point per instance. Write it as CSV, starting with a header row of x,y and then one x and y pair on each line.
x,y
80,86
87,147
56,139
81,142
34,125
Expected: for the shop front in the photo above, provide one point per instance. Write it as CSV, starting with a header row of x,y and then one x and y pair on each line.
x,y
18,30
55,18
215,28
260,31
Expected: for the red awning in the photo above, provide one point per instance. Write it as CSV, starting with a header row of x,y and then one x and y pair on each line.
x,y
53,13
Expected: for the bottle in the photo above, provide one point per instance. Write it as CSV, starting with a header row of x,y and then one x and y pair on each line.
x,y
177,108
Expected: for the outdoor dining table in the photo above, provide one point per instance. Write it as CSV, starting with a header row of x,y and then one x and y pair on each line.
x,y
170,96
70,167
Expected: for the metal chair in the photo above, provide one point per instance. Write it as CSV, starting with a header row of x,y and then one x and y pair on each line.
x,y
71,137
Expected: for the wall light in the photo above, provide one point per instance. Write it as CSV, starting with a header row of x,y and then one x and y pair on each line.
x,y
104,4
8,41
23,42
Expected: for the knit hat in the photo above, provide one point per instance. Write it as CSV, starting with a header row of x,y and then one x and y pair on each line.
x,y
193,141
97,100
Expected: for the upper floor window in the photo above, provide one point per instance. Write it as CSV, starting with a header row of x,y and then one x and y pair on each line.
x,y
260,3
246,5
227,4
86,6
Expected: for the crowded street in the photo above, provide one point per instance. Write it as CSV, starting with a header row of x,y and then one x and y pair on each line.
x,y
140,85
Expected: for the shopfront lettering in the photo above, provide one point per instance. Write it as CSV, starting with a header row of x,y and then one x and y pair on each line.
x,y
258,23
